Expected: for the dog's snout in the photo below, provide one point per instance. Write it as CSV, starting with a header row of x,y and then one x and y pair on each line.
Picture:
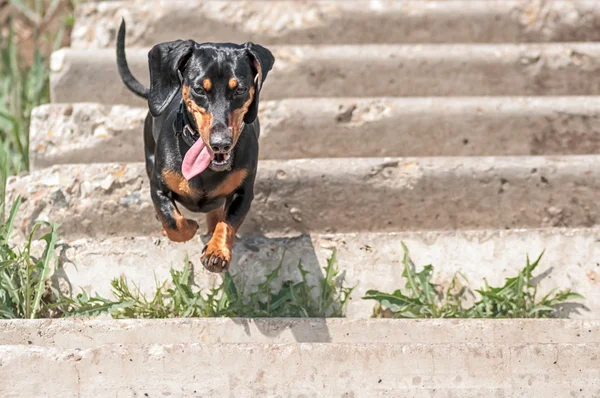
x,y
220,138
220,145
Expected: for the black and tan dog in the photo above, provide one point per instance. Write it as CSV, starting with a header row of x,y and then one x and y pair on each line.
x,y
201,135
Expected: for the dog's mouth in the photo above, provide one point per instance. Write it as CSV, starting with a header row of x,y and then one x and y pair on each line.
x,y
199,157
221,161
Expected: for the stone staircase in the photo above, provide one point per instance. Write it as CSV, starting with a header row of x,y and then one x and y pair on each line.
x,y
467,129
300,358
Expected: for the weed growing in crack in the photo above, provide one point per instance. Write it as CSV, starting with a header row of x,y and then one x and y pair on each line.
x,y
293,299
26,291
25,288
517,298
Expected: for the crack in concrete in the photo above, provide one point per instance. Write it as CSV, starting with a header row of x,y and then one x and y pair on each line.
x,y
78,381
557,359
433,364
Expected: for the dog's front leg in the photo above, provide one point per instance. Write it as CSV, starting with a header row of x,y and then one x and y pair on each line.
x,y
216,256
175,226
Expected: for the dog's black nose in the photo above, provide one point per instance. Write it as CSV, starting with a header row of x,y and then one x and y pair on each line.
x,y
220,144
220,139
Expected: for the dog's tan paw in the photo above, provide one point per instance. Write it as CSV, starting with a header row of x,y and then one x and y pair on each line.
x,y
216,257
186,229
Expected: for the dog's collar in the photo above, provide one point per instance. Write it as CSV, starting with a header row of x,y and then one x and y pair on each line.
x,y
183,127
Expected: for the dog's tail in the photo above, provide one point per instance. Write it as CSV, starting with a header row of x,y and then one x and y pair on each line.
x,y
126,76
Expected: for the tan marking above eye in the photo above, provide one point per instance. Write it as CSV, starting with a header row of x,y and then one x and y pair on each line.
x,y
206,84
233,83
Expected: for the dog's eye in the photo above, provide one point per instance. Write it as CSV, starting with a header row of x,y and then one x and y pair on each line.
x,y
240,91
199,91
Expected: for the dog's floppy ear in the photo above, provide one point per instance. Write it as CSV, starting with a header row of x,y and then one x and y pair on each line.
x,y
165,60
262,60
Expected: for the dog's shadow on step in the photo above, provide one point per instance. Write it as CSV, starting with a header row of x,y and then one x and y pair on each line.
x,y
283,261
294,265
315,331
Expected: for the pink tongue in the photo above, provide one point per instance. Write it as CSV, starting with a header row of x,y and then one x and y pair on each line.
x,y
196,160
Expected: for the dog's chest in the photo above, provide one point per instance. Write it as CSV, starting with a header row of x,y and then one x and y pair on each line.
x,y
201,193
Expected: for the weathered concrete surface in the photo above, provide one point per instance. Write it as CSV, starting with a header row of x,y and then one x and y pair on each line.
x,y
322,127
304,369
373,70
367,260
85,133
338,22
91,333
336,195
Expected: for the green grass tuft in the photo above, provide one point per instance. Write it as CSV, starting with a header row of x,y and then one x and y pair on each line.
x,y
421,298
26,291
25,85
293,299
25,288
21,89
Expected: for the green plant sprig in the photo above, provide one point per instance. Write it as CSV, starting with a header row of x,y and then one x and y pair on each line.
x,y
293,299
421,298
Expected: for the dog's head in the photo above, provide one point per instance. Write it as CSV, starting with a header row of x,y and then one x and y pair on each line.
x,y
220,85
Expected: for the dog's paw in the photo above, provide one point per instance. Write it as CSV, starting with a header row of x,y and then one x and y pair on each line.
x,y
186,229
216,257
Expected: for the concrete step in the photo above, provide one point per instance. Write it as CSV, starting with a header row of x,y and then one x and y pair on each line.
x,y
364,71
322,127
94,333
470,370
366,260
339,22
336,195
